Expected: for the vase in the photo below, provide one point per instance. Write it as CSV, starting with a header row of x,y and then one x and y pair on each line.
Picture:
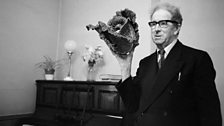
x,y
91,74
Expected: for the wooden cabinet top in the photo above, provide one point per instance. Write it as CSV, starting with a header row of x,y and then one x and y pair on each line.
x,y
75,82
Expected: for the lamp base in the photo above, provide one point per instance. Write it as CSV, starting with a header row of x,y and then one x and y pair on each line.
x,y
68,78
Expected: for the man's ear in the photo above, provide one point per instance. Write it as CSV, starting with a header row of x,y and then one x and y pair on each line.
x,y
177,29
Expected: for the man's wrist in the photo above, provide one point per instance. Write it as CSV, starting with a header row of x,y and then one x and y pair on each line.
x,y
125,72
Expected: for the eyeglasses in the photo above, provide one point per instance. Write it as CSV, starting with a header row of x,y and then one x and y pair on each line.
x,y
162,23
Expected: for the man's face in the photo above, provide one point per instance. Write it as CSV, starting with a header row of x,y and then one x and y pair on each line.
x,y
163,32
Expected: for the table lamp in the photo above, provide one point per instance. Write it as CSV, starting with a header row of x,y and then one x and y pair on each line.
x,y
69,46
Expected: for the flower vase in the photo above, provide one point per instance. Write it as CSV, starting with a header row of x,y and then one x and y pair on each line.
x,y
91,74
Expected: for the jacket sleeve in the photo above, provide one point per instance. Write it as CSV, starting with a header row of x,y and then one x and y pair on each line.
x,y
207,98
129,92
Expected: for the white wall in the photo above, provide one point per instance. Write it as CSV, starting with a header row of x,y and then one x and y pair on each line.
x,y
28,30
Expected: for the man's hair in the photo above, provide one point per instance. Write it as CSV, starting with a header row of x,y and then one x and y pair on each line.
x,y
175,11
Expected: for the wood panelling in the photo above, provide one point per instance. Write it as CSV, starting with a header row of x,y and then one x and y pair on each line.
x,y
108,100
78,100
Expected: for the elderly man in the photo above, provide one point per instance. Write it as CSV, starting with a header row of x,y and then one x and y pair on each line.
x,y
175,85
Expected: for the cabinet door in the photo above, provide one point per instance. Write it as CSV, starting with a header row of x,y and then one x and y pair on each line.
x,y
48,95
77,97
108,101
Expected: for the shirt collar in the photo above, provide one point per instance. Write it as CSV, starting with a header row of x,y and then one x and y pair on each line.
x,y
168,48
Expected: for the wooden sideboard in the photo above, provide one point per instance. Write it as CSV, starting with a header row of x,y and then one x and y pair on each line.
x,y
76,100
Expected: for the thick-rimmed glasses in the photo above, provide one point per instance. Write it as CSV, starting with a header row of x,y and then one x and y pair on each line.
x,y
162,23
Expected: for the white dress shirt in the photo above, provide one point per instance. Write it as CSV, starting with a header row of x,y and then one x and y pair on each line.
x,y
167,49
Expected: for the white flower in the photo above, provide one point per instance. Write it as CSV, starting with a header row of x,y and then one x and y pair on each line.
x,y
92,55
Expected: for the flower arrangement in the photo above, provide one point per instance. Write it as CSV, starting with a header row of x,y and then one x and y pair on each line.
x,y
92,56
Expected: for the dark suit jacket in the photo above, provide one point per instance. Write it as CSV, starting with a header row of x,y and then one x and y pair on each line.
x,y
181,93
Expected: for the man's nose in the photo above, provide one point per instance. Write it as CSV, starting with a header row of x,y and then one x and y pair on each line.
x,y
157,27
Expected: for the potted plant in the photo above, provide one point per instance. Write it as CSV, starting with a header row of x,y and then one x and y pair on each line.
x,y
49,66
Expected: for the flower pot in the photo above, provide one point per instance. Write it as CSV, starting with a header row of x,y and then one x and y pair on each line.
x,y
49,74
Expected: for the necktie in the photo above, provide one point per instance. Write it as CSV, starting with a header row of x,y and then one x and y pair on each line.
x,y
162,58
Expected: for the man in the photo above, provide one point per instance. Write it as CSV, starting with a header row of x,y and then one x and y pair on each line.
x,y
173,86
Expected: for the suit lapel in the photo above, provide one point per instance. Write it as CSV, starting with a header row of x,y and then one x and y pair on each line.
x,y
171,67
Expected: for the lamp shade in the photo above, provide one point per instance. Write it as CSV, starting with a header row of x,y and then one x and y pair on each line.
x,y
70,45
